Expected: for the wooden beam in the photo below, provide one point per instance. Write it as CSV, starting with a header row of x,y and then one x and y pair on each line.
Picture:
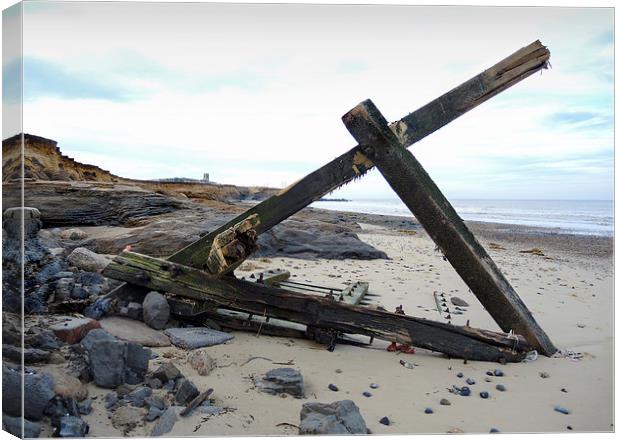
x,y
231,293
418,191
355,163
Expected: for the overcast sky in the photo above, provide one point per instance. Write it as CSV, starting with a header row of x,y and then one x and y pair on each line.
x,y
253,94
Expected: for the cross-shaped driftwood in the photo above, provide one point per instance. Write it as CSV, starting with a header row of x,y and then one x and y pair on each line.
x,y
384,145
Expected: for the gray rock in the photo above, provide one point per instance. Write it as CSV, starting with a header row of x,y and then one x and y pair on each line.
x,y
134,311
137,363
111,400
72,426
44,340
282,380
138,396
342,417
12,221
31,355
94,335
13,425
154,401
155,310
38,391
64,288
165,423
85,407
458,302
80,292
191,338
107,361
87,260
154,383
100,307
153,414
186,392
210,409
166,372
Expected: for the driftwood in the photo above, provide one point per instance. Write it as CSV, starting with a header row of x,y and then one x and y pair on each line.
x,y
355,163
435,213
314,311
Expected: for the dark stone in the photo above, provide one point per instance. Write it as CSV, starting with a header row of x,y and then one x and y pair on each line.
x,y
13,425
166,372
332,387
374,386
459,375
385,421
470,381
91,278
153,414
107,361
428,411
100,307
500,387
137,363
138,396
85,406
282,380
155,310
494,431
165,423
111,400
465,391
186,392
498,372
367,394
38,391
445,402
72,426
31,355
342,417
561,409
45,340
484,394
458,302
169,386
94,335
154,401
154,383
191,338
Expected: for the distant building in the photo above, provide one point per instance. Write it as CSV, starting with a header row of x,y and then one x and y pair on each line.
x,y
205,177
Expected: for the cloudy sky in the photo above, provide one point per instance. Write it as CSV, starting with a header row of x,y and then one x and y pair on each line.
x,y
253,94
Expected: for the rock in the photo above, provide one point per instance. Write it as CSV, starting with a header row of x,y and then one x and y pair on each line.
x,y
445,402
155,310
341,417
498,372
201,361
12,221
95,335
65,385
459,375
38,391
44,340
282,380
138,396
136,363
133,310
186,392
13,425
191,338
561,409
131,330
154,401
85,407
428,411
64,288
470,381
484,394
493,430
458,302
209,409
127,418
500,387
87,260
99,308
367,394
374,386
72,330
165,423
30,355
544,375
332,387
465,391
154,383
385,421
153,414
166,372
107,361
73,234
111,399
59,407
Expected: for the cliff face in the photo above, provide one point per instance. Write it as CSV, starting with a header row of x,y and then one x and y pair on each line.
x,y
43,161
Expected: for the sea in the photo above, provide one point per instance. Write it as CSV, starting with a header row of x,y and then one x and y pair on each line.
x,y
583,217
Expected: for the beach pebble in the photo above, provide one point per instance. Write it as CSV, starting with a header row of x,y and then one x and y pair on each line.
x,y
458,302
544,374
561,409
484,394
489,373
465,391
500,387
494,431
498,372
564,390
332,387
338,370
374,386
459,375
367,394
428,411
385,421
488,379
445,402
570,428
470,381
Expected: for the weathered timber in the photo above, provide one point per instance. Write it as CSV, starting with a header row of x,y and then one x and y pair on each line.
x,y
354,163
435,213
233,245
231,293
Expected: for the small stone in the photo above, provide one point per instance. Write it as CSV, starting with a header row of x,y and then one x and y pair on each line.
x,y
570,428
367,394
484,394
155,310
282,380
459,375
166,372
445,402
332,387
458,302
153,414
470,381
564,390
201,361
165,423
111,399
137,397
428,411
64,288
154,401
186,392
374,386
494,431
338,370
561,409
126,418
72,426
544,374
385,421
490,373
154,383
500,387
85,407
488,379
498,372
465,391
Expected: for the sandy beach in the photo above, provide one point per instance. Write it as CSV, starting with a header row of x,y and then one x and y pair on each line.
x,y
568,289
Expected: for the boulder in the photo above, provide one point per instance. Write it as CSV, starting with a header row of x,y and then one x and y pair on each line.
x,y
94,335
12,222
191,338
38,391
282,380
30,355
155,310
71,330
136,363
107,361
137,397
201,361
342,417
131,330
13,425
87,260
186,392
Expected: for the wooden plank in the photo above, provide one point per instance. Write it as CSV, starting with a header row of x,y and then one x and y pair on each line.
x,y
231,293
354,293
354,163
418,191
